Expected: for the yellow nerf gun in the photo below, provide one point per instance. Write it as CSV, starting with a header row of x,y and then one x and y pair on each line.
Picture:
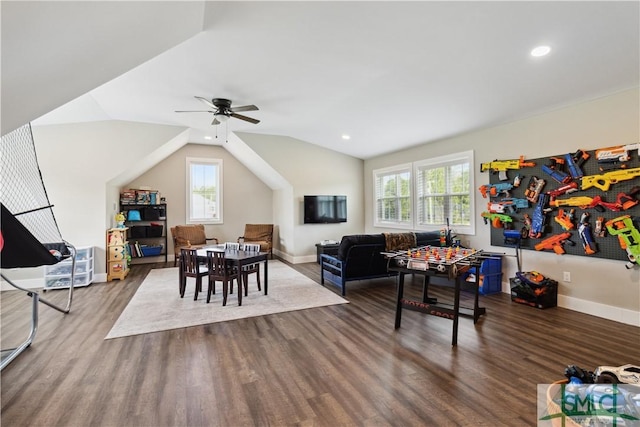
x,y
501,166
604,181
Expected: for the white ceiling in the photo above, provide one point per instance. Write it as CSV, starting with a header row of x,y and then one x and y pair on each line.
x,y
389,74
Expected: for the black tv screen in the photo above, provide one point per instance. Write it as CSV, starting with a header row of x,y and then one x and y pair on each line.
x,y
325,209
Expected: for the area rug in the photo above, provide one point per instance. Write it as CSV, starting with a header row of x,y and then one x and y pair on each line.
x,y
157,306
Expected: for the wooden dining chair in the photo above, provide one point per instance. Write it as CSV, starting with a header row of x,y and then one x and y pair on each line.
x,y
231,246
250,268
190,267
219,270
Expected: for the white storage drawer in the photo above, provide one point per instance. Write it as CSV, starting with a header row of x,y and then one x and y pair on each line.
x,y
58,276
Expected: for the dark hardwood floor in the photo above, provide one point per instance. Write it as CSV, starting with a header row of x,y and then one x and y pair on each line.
x,y
340,365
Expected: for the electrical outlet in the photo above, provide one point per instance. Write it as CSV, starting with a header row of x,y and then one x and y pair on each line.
x,y
566,277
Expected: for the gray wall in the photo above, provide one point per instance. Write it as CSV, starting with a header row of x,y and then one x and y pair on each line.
x,y
246,199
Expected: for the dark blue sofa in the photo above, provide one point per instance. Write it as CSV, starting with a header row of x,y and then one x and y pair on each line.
x,y
359,257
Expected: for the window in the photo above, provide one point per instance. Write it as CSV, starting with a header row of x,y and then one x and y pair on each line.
x,y
444,191
204,191
392,187
424,195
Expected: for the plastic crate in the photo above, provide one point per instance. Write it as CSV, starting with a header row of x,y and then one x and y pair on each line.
x,y
490,280
542,295
151,250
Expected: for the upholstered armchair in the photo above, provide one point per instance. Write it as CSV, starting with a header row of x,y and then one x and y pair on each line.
x,y
189,237
261,234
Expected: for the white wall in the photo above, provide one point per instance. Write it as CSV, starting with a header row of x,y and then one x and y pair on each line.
x,y
76,162
599,286
310,169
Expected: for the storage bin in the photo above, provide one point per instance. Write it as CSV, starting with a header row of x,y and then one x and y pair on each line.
x,y
155,230
138,231
151,214
539,295
151,250
490,280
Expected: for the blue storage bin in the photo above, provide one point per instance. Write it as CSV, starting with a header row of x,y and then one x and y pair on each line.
x,y
151,250
490,280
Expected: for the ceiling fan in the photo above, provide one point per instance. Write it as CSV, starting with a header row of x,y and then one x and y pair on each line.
x,y
221,109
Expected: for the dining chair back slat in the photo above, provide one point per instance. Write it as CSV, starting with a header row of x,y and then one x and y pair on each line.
x,y
190,267
250,268
219,270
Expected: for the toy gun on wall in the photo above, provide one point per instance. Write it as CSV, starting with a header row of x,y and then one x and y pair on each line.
x,y
509,204
564,189
501,166
539,218
497,220
613,155
623,201
565,219
555,170
494,189
575,162
586,236
604,181
628,236
555,243
579,201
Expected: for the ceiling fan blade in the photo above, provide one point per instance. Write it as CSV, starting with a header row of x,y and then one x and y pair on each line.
x,y
195,111
244,108
206,101
245,118
215,122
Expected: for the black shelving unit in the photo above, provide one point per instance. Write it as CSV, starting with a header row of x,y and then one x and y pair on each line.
x,y
147,228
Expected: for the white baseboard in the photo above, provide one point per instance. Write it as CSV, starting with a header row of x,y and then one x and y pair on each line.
x,y
609,312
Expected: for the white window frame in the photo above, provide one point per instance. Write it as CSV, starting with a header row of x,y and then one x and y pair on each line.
x,y
393,170
194,217
439,162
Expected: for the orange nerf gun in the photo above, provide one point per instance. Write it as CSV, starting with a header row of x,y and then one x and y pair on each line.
x,y
555,242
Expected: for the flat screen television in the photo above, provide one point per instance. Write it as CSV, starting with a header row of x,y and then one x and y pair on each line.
x,y
325,209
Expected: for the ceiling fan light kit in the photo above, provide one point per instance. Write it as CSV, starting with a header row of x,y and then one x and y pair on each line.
x,y
222,110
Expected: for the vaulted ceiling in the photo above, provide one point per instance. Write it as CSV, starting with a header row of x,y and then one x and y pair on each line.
x,y
388,74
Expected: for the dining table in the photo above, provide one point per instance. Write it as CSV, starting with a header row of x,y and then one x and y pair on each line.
x,y
239,258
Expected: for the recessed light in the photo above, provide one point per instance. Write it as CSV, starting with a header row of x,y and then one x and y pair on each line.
x,y
207,137
540,51
345,136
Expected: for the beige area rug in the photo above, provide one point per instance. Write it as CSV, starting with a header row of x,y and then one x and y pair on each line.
x,y
157,306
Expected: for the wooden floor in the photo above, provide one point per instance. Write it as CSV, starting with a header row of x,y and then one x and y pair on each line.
x,y
340,365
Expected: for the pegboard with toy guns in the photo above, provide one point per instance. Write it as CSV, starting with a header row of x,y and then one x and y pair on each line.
x,y
583,203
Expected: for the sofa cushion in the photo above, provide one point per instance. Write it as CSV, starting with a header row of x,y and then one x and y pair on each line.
x,y
348,241
429,238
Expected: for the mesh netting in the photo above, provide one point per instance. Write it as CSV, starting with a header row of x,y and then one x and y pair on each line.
x,y
22,189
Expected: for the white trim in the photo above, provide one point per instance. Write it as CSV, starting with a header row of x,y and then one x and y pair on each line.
x,y
447,160
396,169
219,195
609,312
617,314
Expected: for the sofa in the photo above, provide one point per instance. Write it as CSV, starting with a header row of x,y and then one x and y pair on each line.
x,y
359,256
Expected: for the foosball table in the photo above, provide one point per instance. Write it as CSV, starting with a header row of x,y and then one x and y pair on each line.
x,y
449,264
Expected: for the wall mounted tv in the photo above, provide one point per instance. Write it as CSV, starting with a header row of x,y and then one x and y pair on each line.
x,y
325,209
